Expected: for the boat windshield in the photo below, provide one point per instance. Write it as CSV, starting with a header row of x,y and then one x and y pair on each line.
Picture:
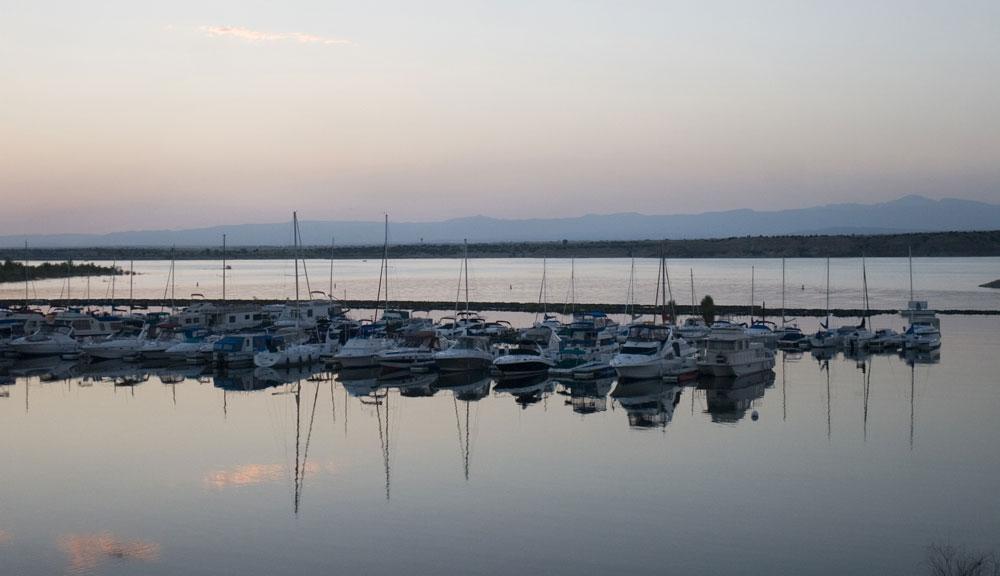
x,y
642,350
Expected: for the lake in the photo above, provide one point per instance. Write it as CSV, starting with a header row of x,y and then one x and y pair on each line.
x,y
945,282
829,466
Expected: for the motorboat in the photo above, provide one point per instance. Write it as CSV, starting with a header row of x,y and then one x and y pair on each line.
x,y
415,353
468,353
591,339
652,351
115,347
732,352
239,349
922,337
534,353
362,350
48,341
693,329
885,339
791,338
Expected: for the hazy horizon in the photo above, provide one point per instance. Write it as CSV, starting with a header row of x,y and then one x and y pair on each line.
x,y
121,116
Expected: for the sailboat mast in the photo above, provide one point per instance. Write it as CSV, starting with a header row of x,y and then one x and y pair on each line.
x,y
385,264
752,281
572,285
827,291
295,240
909,250
131,275
466,265
223,267
26,296
330,291
782,291
173,277
864,281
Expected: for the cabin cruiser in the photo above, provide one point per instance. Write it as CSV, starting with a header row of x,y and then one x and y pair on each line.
x,y
858,337
732,352
825,338
462,324
221,318
922,337
591,340
116,347
791,338
924,332
362,350
693,329
55,340
239,349
86,325
415,353
652,351
468,353
193,344
305,314
280,353
763,331
885,339
534,353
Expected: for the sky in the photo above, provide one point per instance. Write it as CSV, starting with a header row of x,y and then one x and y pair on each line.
x,y
130,115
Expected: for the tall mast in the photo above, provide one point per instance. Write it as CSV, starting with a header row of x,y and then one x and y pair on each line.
x,y
114,277
295,239
670,292
827,292
572,285
692,291
909,250
131,275
753,278
224,268
782,291
864,281
385,264
466,265
173,277
330,291
69,274
26,297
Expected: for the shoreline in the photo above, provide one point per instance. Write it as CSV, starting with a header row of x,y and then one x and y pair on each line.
x,y
530,307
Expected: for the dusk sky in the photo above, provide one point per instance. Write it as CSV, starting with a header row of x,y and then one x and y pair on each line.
x,y
134,115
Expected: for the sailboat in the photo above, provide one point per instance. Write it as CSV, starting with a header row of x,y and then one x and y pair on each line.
x,y
362,350
924,332
859,338
287,352
826,338
694,327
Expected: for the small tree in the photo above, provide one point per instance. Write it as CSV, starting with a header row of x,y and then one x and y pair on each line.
x,y
708,309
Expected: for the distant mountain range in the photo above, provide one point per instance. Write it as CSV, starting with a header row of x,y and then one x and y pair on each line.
x,y
907,214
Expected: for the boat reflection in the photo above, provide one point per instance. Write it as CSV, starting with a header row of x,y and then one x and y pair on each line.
x,y
588,396
648,403
469,386
729,399
528,390
914,356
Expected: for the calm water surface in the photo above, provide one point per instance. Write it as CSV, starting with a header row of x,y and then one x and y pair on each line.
x,y
839,466
945,282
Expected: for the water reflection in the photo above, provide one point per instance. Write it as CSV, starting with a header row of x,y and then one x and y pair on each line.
x,y
527,390
86,552
4,536
588,396
648,403
728,399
